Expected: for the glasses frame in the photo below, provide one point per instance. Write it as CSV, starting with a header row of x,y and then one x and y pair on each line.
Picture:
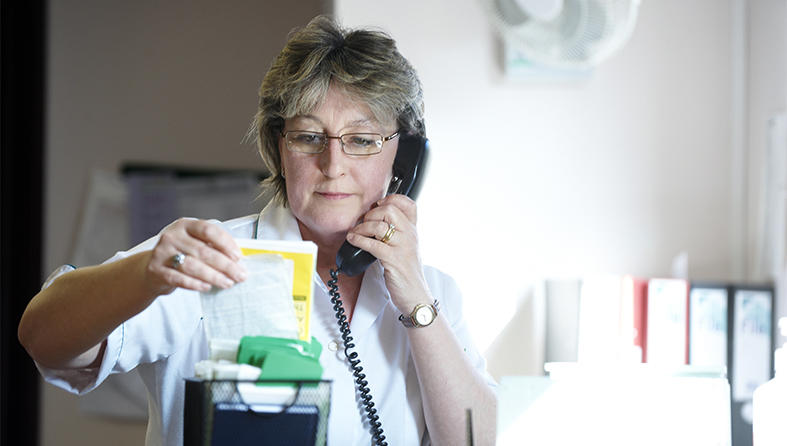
x,y
341,141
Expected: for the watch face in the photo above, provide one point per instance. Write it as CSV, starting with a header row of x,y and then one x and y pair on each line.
x,y
424,316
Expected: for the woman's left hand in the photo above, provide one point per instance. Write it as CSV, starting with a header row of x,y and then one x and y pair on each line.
x,y
399,255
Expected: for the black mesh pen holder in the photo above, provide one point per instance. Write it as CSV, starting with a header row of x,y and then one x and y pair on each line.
x,y
241,413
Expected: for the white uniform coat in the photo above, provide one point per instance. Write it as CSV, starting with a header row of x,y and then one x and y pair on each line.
x,y
163,342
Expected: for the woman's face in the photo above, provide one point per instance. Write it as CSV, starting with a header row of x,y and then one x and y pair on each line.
x,y
330,191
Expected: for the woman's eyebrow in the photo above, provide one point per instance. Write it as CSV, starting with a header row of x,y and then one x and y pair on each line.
x,y
360,122
299,118
311,117
355,123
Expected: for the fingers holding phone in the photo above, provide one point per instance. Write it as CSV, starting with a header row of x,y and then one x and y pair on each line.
x,y
389,233
393,217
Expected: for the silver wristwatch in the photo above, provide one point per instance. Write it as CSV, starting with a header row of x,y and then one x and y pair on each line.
x,y
421,316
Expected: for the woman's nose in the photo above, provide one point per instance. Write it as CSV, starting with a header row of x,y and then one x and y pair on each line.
x,y
333,159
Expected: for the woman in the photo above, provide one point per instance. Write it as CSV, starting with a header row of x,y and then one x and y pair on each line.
x,y
331,110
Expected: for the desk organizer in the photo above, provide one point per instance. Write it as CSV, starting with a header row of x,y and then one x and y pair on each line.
x,y
239,413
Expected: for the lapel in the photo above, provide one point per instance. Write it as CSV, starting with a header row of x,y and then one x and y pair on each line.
x,y
276,222
372,299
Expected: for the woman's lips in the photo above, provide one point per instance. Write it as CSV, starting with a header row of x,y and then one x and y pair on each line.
x,y
333,195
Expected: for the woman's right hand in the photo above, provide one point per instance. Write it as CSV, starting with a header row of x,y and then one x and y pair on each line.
x,y
66,323
211,258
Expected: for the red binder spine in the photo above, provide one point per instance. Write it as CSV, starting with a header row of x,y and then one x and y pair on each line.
x,y
636,289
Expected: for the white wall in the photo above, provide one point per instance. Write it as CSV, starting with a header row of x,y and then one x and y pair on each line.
x,y
169,82
614,174
766,96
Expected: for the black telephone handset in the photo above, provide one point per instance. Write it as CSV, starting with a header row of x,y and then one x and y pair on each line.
x,y
409,168
408,172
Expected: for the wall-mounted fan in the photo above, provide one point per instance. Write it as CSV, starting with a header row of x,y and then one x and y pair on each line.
x,y
565,34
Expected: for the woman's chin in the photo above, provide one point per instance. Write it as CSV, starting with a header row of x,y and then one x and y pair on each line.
x,y
327,228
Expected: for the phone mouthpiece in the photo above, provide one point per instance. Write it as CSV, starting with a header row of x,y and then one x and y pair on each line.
x,y
351,260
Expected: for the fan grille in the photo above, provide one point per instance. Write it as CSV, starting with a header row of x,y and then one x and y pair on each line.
x,y
582,35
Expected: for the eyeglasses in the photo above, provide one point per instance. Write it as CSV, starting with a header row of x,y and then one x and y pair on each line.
x,y
356,144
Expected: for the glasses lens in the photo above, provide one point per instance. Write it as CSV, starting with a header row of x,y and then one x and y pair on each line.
x,y
306,142
362,143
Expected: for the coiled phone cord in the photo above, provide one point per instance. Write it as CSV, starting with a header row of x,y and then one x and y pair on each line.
x,y
360,382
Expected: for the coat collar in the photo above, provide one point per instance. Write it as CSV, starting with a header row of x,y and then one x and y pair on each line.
x,y
276,222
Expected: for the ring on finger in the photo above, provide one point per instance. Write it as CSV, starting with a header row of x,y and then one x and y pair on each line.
x,y
389,233
178,260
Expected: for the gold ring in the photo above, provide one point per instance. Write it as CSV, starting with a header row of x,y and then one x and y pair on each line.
x,y
389,233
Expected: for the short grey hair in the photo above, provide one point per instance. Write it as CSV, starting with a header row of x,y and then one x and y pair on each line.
x,y
364,63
